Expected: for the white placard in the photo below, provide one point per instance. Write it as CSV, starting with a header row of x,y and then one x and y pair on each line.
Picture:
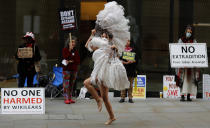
x,y
206,86
22,101
188,55
170,90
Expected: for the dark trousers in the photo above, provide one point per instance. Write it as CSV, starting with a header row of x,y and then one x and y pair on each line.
x,y
22,78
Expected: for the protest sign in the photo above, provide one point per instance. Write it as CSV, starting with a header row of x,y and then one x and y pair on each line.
x,y
22,101
139,87
188,55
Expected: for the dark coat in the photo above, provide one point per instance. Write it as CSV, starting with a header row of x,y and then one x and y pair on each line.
x,y
131,68
27,65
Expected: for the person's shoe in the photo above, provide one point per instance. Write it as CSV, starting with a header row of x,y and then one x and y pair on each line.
x,y
67,102
130,101
188,97
71,101
122,100
182,98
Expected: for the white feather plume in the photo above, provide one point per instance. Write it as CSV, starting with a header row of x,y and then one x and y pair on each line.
x,y
113,20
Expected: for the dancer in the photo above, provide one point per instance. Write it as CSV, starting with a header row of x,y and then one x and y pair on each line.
x,y
107,40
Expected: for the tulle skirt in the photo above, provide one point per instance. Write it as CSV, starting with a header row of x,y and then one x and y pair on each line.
x,y
108,70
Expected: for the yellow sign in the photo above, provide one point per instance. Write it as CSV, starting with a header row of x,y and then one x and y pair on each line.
x,y
139,87
139,92
129,56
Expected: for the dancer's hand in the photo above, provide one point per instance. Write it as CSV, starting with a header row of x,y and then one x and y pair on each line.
x,y
113,47
93,32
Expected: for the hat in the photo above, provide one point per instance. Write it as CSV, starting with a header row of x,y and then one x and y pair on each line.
x,y
29,34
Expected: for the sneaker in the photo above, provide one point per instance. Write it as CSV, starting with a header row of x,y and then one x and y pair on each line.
x,y
188,97
71,101
122,100
130,101
67,102
182,98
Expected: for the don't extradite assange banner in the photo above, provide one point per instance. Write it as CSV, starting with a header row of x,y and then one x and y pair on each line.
x,y
22,101
188,55
67,19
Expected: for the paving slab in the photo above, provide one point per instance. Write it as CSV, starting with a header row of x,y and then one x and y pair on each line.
x,y
149,113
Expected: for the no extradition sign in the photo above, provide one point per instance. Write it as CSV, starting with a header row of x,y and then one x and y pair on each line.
x,y
188,55
22,101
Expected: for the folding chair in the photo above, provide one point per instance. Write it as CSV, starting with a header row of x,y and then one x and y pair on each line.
x,y
55,86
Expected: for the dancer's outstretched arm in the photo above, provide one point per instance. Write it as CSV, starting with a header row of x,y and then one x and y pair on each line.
x,y
90,38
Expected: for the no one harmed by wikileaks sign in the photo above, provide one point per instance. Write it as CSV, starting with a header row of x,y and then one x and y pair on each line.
x,y
188,55
67,19
22,101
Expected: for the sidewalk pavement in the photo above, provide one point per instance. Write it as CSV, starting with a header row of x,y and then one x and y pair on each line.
x,y
149,113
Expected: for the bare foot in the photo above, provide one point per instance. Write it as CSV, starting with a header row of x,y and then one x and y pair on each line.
x,y
110,121
99,103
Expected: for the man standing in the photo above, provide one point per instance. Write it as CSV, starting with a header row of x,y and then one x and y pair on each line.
x,y
26,63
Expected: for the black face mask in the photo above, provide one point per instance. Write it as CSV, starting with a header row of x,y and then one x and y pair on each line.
x,y
28,40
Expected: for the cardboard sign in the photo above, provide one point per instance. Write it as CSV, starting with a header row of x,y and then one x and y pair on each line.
x,y
22,101
68,19
129,56
206,86
139,87
188,55
170,90
26,52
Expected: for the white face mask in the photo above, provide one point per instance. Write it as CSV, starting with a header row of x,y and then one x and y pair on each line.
x,y
104,38
188,34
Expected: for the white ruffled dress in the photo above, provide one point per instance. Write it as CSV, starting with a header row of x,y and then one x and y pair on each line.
x,y
108,69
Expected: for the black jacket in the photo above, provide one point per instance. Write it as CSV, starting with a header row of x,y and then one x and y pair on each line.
x,y
26,65
131,68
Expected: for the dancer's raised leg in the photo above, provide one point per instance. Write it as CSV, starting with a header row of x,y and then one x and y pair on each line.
x,y
94,93
104,94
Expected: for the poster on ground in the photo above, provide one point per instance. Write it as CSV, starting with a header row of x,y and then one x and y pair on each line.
x,y
139,87
170,90
188,55
206,86
22,101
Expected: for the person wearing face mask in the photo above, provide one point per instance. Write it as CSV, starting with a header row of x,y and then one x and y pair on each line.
x,y
26,66
187,78
70,68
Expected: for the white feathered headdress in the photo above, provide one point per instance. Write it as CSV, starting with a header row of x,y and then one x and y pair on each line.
x,y
113,20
